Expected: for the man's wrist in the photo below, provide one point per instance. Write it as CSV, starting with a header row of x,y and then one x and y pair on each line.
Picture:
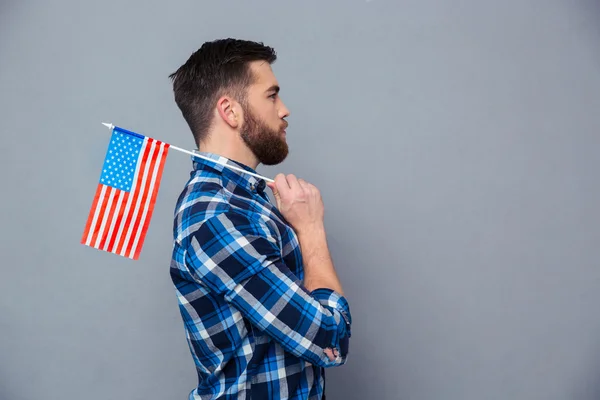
x,y
313,243
314,231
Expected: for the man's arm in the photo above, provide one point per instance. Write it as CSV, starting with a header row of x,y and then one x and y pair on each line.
x,y
318,266
240,259
301,204
319,271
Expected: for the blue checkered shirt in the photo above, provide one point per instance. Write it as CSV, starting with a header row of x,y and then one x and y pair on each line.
x,y
254,331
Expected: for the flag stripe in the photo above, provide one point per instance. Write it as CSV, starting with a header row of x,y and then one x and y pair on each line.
x,y
90,219
99,210
142,190
115,216
153,201
117,232
147,193
98,222
138,184
108,217
149,206
104,215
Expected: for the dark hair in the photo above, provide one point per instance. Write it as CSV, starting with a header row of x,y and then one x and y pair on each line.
x,y
219,67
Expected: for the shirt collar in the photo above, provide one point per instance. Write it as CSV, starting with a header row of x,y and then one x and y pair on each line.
x,y
247,181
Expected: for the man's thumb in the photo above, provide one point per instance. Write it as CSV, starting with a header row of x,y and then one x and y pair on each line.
x,y
273,187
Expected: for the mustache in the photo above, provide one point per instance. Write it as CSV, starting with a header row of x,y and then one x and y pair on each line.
x,y
284,125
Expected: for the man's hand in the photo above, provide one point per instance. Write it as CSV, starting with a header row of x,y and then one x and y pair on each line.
x,y
299,202
332,354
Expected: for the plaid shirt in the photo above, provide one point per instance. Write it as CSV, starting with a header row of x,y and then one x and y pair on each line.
x,y
253,330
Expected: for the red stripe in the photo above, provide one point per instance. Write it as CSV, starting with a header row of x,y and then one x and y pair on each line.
x,y
139,183
152,202
145,192
118,223
100,216
111,216
88,224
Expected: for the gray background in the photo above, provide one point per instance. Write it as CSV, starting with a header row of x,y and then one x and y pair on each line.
x,y
455,144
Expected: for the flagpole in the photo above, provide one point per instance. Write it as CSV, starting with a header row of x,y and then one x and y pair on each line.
x,y
111,127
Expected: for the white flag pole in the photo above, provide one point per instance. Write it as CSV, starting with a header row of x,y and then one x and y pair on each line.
x,y
111,126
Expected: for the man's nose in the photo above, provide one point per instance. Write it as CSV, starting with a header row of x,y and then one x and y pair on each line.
x,y
284,111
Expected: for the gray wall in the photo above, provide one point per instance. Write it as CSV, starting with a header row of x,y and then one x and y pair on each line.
x,y
456,146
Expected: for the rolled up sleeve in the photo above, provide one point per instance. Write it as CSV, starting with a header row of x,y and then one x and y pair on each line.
x,y
339,307
240,259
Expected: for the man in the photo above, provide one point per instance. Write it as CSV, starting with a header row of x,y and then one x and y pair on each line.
x,y
262,306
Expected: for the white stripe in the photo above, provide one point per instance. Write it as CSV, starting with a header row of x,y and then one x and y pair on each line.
x,y
111,196
130,199
136,210
96,213
147,205
114,221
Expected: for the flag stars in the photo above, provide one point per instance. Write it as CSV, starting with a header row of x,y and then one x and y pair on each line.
x,y
121,161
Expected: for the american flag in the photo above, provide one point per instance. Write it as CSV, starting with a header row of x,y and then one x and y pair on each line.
x,y
125,196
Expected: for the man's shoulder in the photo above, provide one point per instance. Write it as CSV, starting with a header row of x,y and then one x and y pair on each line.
x,y
202,197
206,197
202,191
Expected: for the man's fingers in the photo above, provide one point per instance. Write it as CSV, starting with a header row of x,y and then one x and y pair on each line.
x,y
329,353
273,187
280,184
303,183
281,181
284,183
293,182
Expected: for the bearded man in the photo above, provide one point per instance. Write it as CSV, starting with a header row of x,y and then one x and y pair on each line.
x,y
263,309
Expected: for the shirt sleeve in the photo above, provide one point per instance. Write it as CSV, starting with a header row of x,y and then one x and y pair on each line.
x,y
241,259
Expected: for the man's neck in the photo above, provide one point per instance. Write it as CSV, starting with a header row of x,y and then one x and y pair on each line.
x,y
235,152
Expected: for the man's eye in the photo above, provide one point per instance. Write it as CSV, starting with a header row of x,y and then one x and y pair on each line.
x,y
273,95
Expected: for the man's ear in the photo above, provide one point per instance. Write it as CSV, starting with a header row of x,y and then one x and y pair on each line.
x,y
229,111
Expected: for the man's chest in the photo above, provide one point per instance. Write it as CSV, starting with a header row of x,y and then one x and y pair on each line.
x,y
288,239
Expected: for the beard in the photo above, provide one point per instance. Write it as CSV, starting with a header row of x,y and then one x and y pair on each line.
x,y
267,144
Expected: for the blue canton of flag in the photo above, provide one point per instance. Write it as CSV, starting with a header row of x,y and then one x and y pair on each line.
x,y
120,162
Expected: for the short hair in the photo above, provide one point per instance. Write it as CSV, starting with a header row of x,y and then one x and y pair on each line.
x,y
218,68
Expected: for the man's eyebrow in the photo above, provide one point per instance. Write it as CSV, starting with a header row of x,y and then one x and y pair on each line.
x,y
274,88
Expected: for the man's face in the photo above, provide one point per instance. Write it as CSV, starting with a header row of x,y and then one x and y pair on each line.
x,y
263,129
